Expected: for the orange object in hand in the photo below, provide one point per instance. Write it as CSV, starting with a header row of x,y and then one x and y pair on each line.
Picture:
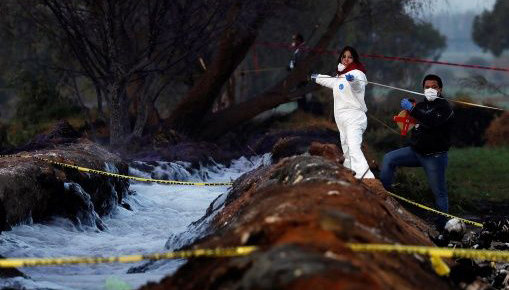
x,y
404,121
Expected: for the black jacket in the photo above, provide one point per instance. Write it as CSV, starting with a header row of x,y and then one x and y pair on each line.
x,y
432,134
297,56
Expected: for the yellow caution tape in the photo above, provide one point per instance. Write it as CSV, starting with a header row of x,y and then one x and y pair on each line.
x,y
4,156
439,266
433,251
84,169
434,210
88,170
213,253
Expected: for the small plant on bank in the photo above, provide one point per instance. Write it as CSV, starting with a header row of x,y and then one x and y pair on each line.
x,y
40,105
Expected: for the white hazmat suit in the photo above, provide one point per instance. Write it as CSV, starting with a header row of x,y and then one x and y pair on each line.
x,y
350,115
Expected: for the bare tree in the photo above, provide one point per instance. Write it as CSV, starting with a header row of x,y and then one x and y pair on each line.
x,y
235,42
122,43
213,125
479,82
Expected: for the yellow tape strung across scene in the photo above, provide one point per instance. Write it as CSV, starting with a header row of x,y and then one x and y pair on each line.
x,y
440,267
432,251
88,170
434,210
84,169
246,250
212,253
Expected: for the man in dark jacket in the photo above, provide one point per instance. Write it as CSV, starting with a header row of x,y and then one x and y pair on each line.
x,y
298,43
429,143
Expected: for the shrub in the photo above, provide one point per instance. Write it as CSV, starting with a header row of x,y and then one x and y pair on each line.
x,y
497,133
470,124
39,105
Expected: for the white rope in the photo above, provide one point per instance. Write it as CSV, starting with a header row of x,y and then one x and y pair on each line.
x,y
421,94
477,105
394,88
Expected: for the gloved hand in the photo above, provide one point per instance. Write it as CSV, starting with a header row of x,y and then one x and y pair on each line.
x,y
349,77
313,77
341,67
406,104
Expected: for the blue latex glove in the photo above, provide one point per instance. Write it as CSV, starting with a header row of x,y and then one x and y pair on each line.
x,y
313,77
349,77
406,105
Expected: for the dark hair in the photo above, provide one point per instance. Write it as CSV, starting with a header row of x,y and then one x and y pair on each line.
x,y
298,37
354,53
432,78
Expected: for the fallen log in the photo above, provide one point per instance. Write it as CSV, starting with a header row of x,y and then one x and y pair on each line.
x,y
302,212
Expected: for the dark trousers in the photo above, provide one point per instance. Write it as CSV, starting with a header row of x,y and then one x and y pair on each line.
x,y
434,165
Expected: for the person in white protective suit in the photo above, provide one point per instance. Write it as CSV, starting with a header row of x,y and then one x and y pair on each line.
x,y
348,88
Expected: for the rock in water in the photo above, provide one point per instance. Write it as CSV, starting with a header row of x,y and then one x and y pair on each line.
x,y
31,189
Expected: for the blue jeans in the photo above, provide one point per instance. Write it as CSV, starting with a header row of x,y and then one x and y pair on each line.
x,y
434,165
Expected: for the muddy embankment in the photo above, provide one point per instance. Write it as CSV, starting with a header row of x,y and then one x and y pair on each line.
x,y
32,190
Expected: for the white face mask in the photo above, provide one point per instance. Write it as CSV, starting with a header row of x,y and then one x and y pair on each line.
x,y
341,67
430,94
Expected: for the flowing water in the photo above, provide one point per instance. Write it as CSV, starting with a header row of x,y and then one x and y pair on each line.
x,y
157,213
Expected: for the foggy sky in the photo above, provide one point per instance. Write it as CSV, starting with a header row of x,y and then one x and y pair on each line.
x,y
454,6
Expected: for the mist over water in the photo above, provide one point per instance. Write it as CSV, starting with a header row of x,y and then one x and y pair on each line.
x,y
158,212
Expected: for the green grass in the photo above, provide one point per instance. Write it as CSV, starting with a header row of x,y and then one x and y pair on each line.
x,y
474,175
483,173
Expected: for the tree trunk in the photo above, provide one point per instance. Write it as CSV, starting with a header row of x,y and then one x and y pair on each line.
x,y
98,92
141,118
119,115
227,98
140,93
233,47
223,121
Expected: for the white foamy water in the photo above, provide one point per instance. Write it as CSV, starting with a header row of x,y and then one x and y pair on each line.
x,y
158,212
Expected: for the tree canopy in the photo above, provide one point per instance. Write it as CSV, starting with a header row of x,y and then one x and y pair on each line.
x,y
490,28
